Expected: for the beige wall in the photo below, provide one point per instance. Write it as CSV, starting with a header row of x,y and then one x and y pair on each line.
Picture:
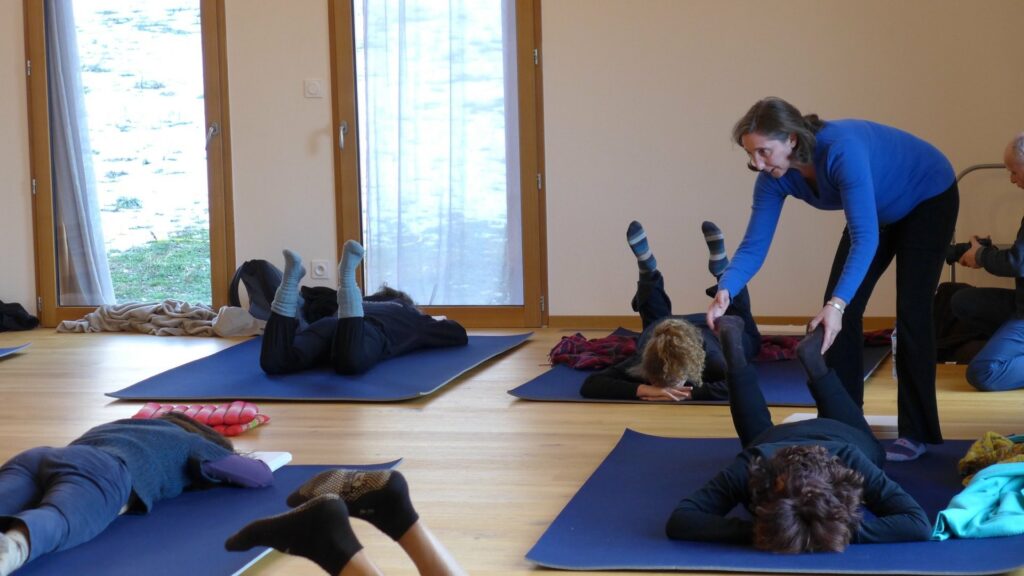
x,y
640,97
281,141
639,100
17,268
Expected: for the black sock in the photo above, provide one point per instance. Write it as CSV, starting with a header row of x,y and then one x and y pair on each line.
x,y
381,497
318,530
809,353
730,334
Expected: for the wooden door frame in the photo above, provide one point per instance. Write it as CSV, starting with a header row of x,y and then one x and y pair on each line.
x,y
222,244
533,312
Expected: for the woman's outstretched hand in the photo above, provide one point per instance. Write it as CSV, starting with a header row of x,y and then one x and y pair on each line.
x,y
718,307
832,319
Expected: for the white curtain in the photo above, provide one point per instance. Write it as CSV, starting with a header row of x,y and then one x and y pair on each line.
x,y
439,146
83,272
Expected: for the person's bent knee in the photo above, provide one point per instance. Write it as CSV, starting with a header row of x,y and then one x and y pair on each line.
x,y
350,365
984,375
273,367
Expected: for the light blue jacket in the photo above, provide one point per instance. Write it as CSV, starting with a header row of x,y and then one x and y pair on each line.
x,y
991,505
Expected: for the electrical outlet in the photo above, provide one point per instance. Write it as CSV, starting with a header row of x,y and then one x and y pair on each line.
x,y
321,270
313,88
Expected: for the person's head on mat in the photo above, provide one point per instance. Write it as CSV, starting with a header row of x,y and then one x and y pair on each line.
x,y
196,427
388,294
673,356
804,500
1014,160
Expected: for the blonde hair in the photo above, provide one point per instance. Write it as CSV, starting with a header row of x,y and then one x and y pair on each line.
x,y
674,354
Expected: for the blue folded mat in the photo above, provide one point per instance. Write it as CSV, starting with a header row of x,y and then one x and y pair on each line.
x,y
183,535
783,382
16,349
234,373
617,519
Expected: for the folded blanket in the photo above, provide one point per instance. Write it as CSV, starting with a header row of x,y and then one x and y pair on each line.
x,y
167,318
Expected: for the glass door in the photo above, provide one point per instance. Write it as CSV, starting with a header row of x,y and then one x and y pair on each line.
x,y
432,152
135,192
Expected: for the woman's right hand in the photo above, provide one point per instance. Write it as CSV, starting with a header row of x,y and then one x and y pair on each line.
x,y
668,394
718,307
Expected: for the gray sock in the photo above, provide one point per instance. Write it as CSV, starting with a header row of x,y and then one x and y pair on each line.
x,y
286,299
14,550
350,299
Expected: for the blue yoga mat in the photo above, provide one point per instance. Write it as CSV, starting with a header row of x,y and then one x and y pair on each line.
x,y
183,535
234,373
617,519
15,350
784,383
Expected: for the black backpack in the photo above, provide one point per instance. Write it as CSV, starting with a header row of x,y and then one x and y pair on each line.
x,y
261,279
13,316
955,341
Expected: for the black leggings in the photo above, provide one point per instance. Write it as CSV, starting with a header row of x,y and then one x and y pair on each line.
x,y
918,242
350,345
751,417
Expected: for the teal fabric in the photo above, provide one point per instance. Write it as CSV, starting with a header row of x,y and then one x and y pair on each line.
x,y
991,505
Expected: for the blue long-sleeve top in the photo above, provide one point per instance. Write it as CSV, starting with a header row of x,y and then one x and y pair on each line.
x,y
1008,263
162,458
876,174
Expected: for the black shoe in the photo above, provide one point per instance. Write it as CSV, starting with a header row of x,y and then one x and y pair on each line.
x,y
956,251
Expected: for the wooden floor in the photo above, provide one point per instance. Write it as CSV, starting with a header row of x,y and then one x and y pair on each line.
x,y
488,472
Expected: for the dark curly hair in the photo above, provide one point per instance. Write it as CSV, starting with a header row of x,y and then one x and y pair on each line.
x,y
198,428
388,294
804,500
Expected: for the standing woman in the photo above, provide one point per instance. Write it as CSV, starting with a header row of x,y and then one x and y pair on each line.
x,y
900,198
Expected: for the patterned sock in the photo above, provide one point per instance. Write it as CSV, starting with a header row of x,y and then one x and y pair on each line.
x,y
717,259
286,299
350,299
381,497
809,353
637,238
318,530
13,550
730,334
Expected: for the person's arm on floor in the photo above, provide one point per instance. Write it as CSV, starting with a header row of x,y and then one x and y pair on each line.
x,y
613,383
898,517
240,471
701,516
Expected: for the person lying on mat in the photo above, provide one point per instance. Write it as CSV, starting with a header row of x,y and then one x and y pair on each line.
x,y
803,482
52,499
365,331
318,528
997,313
678,357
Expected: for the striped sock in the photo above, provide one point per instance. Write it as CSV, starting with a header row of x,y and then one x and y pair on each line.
x,y
350,299
286,299
637,238
717,259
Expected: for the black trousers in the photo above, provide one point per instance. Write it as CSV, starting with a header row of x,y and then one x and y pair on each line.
x,y
350,345
918,242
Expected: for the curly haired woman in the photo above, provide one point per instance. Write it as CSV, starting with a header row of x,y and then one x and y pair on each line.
x,y
678,357
803,482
